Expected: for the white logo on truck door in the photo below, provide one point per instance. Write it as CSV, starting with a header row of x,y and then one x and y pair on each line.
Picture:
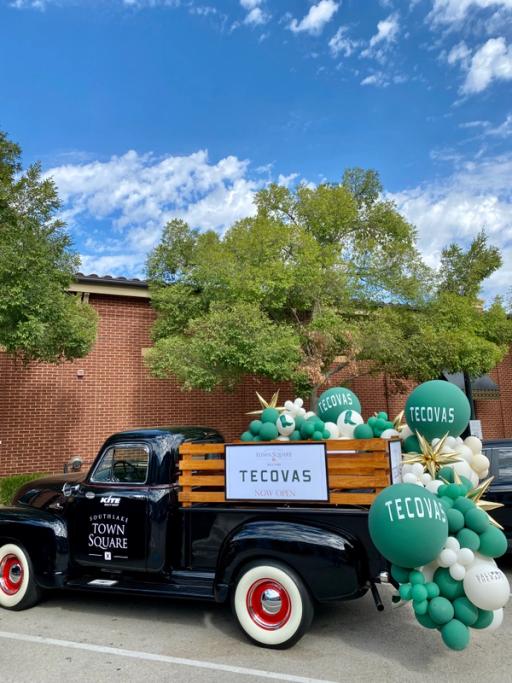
x,y
110,501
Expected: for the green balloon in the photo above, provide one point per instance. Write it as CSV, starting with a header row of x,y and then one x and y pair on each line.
x,y
416,577
436,408
269,415
466,483
372,420
454,491
477,520
493,542
465,611
380,424
468,539
400,574
464,505
408,525
455,635
405,591
412,445
426,621
382,415
319,425
268,432
247,436
419,593
295,436
448,587
326,434
432,590
317,436
440,610
363,431
255,427
307,429
455,521
299,421
446,502
334,401
446,473
484,619
420,608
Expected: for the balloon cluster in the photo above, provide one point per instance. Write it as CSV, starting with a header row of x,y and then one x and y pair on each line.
x,y
378,426
442,547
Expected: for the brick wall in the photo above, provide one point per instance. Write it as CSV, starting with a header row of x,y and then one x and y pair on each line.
x,y
49,413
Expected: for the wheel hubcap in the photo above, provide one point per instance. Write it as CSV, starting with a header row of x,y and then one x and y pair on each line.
x,y
11,574
268,604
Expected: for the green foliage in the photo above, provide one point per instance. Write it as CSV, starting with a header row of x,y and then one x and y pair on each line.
x,y
10,485
318,280
38,319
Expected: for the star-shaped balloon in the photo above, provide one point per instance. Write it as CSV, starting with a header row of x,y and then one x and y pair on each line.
x,y
431,457
267,404
398,425
477,493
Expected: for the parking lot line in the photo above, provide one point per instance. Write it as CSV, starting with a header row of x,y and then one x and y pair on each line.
x,y
178,661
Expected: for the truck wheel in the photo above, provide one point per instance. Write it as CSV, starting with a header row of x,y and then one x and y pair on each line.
x,y
18,589
271,604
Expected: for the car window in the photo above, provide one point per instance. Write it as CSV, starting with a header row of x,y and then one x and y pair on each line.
x,y
122,465
501,460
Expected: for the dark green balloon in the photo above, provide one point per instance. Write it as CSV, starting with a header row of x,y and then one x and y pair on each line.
x,y
455,521
408,525
448,587
299,421
247,436
255,427
307,429
468,539
420,608
405,591
319,425
436,408
372,420
268,432
326,434
363,431
493,542
269,415
380,424
440,610
416,577
426,621
317,436
412,445
432,590
382,415
446,502
334,401
466,483
477,520
484,619
465,611
419,592
295,436
400,574
455,635
454,491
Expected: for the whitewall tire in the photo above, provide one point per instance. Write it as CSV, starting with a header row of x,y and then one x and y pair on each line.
x,y
271,604
18,589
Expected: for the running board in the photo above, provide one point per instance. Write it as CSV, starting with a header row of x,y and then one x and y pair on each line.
x,y
186,585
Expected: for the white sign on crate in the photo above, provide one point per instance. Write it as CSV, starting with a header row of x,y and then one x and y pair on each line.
x,y
277,472
395,461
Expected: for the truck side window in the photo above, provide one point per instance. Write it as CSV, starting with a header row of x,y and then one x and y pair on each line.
x,y
122,464
505,462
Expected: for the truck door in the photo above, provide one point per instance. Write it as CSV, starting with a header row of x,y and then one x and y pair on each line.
x,y
108,513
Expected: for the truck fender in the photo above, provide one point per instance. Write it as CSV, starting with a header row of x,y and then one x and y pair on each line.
x,y
44,536
332,564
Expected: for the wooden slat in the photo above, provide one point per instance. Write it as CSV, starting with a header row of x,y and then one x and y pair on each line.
x,y
357,482
202,465
352,498
202,497
201,448
206,480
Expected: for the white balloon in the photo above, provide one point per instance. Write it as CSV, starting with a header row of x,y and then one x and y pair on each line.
x,y
459,440
452,543
409,478
333,430
447,557
451,442
426,478
299,402
406,468
406,433
285,424
497,620
388,433
465,452
474,443
309,414
435,441
434,485
474,478
417,469
480,463
486,586
347,421
289,405
462,468
466,557
283,438
484,474
457,571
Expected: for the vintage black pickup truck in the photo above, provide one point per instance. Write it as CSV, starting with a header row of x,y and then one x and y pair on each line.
x,y
120,528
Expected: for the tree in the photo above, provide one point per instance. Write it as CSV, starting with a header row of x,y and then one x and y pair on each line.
x,y
319,280
39,320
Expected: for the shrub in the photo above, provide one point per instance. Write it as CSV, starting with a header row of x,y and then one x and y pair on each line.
x,y
9,485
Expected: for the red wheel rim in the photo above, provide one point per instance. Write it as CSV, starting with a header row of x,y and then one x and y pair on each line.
x,y
268,604
11,574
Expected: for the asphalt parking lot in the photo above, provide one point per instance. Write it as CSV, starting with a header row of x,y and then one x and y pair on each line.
x,y
91,637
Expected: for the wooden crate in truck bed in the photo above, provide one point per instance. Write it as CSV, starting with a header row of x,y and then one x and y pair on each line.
x,y
358,470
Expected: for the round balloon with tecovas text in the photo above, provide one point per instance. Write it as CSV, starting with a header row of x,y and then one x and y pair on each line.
x,y
437,408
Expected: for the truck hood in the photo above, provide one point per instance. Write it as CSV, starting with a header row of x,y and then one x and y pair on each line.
x,y
46,492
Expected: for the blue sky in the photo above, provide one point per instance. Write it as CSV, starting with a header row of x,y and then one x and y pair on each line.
x,y
143,110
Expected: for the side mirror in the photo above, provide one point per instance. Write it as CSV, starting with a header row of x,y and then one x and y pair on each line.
x,y
74,464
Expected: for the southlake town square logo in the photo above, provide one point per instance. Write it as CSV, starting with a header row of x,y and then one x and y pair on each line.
x,y
108,532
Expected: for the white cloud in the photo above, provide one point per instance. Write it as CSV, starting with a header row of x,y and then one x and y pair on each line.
x,y
255,13
492,61
250,4
136,194
478,195
504,130
315,20
340,43
378,79
458,53
387,34
455,11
